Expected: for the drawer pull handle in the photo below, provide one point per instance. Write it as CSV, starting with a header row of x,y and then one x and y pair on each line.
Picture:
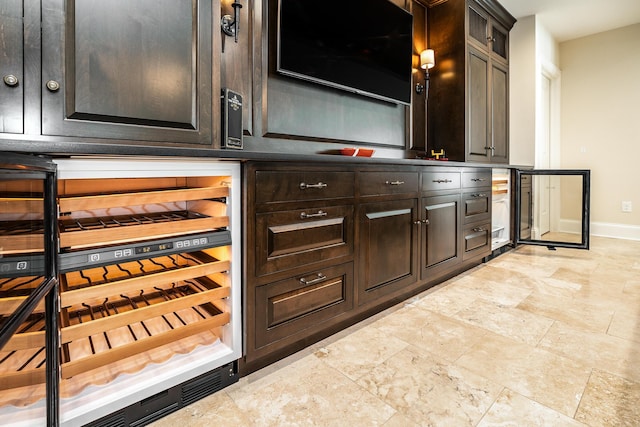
x,y
479,230
441,181
304,185
479,195
305,215
319,278
394,182
477,179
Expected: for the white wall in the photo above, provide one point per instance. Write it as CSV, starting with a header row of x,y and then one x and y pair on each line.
x,y
531,49
522,92
600,124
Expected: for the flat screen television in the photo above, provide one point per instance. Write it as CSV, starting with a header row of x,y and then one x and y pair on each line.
x,y
361,46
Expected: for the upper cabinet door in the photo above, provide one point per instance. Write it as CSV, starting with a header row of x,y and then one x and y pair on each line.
x,y
127,69
11,68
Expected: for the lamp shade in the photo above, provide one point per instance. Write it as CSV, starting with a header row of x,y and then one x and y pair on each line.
x,y
427,59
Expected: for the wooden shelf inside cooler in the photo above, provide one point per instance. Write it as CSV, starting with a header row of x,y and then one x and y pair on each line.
x,y
499,191
102,201
102,231
22,359
21,205
21,237
14,290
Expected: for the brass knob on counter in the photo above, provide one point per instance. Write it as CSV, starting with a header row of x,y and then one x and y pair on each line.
x,y
11,80
53,85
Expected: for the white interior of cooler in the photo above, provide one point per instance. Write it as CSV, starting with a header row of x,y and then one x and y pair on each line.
x,y
96,401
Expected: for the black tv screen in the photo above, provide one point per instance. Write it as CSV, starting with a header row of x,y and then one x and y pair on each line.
x,y
362,46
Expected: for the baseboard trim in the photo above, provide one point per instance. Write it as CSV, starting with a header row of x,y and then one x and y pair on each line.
x,y
618,231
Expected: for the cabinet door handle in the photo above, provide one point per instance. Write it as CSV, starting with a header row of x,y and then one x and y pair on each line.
x,y
477,179
11,80
319,278
478,230
441,181
53,85
394,182
479,195
426,221
319,214
304,185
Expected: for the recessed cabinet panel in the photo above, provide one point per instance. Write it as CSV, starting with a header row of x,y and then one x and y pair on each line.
x,y
477,240
123,69
500,114
477,109
387,247
295,238
144,74
441,246
301,303
476,205
11,68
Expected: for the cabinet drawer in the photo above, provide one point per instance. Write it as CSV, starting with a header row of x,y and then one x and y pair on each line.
x,y
477,240
290,239
302,303
433,181
384,183
476,178
476,205
285,186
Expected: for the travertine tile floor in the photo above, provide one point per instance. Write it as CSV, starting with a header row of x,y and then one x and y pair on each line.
x,y
531,338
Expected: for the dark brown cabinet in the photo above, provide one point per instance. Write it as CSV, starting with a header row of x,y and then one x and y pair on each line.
x,y
299,256
328,245
476,201
118,71
440,234
470,84
127,70
11,66
388,250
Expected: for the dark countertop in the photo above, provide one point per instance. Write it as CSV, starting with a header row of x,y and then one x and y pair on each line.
x,y
65,148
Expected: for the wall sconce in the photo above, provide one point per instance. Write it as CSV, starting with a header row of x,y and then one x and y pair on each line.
x,y
231,24
427,61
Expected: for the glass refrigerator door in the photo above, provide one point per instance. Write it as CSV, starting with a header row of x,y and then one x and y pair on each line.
x,y
552,208
28,291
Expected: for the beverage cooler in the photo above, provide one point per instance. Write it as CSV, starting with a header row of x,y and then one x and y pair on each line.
x,y
148,262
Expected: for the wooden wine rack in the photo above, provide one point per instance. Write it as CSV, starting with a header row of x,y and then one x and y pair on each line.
x,y
120,317
21,213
